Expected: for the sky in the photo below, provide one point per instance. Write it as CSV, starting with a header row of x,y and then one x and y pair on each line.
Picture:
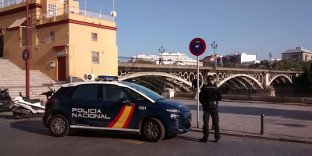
x,y
251,26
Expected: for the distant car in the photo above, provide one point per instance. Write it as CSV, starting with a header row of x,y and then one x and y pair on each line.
x,y
118,106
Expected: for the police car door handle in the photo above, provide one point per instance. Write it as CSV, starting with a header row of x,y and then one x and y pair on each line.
x,y
127,102
130,104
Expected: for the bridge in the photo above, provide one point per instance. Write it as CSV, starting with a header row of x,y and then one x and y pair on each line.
x,y
180,78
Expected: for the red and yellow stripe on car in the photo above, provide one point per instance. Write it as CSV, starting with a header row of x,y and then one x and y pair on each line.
x,y
123,118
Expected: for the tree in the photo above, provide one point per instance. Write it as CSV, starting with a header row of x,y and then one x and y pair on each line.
x,y
303,83
228,64
142,61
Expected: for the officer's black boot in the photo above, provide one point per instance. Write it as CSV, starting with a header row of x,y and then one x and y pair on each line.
x,y
203,140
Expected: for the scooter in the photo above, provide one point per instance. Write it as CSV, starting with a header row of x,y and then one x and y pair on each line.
x,y
5,100
24,107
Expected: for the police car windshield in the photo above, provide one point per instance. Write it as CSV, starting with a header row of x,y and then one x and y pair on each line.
x,y
149,93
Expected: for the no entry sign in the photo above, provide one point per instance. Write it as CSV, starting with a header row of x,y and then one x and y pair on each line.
x,y
197,46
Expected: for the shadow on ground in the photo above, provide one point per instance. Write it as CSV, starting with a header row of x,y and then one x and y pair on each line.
x,y
34,125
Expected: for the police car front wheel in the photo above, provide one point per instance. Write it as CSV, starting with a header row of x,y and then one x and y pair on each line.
x,y
58,125
153,130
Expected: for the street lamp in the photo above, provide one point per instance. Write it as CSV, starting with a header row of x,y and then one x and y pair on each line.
x,y
27,48
214,46
113,12
270,55
161,50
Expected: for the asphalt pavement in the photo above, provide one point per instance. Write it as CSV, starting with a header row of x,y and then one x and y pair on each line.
x,y
281,122
29,137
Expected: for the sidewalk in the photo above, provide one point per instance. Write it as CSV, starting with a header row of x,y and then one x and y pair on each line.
x,y
281,122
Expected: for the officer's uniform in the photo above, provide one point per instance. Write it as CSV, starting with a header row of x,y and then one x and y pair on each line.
x,y
209,97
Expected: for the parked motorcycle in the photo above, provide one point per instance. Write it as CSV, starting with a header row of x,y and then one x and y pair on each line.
x,y
24,107
5,100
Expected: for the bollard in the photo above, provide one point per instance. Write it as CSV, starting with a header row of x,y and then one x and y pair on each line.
x,y
262,124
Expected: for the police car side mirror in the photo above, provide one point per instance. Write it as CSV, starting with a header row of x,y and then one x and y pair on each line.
x,y
127,102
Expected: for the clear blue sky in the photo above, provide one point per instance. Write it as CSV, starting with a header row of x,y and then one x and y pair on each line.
x,y
251,26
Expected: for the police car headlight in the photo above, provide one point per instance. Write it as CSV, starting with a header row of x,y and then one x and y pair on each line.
x,y
172,110
174,116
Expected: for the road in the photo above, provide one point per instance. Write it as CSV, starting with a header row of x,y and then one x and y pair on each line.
x,y
29,137
281,121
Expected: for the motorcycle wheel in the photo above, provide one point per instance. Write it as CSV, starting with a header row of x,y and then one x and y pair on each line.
x,y
16,115
19,113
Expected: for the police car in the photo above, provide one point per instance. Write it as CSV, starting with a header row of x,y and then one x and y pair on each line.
x,y
113,105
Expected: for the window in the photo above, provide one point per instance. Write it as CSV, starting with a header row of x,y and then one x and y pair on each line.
x,y
94,36
52,37
136,96
63,92
149,93
113,93
51,10
95,57
86,92
24,36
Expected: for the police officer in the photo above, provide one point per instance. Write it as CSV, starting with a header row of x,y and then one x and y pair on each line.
x,y
209,97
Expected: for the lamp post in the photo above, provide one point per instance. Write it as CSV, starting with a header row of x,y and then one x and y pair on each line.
x,y
161,51
270,55
27,48
113,12
85,9
214,46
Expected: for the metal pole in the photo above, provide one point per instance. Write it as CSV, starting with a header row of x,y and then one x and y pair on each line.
x,y
101,12
197,91
113,10
262,124
214,46
27,47
85,7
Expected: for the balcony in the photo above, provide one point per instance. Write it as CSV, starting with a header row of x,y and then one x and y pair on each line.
x,y
68,11
7,3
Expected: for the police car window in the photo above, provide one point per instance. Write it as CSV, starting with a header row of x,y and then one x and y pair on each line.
x,y
86,92
63,92
113,93
151,94
136,96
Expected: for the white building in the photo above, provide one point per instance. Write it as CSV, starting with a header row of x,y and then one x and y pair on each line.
x,y
168,58
298,54
240,58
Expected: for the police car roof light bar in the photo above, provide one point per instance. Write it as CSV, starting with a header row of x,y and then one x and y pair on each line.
x,y
107,78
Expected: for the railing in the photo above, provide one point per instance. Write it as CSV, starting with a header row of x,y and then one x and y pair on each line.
x,y
76,11
7,3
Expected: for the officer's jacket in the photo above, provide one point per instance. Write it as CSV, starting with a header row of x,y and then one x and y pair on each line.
x,y
209,95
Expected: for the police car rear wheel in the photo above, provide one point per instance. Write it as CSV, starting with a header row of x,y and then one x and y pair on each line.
x,y
153,130
58,125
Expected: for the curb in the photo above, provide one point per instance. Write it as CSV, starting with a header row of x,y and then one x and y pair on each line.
x,y
257,137
246,101
264,102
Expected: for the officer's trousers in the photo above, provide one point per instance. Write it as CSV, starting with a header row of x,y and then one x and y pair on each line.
x,y
215,121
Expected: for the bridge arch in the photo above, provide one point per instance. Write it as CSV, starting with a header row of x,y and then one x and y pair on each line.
x,y
140,74
238,76
280,75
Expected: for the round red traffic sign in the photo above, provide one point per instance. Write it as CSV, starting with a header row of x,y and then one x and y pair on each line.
x,y
197,46
26,54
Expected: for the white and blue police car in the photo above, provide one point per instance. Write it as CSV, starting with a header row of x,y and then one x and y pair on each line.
x,y
113,105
